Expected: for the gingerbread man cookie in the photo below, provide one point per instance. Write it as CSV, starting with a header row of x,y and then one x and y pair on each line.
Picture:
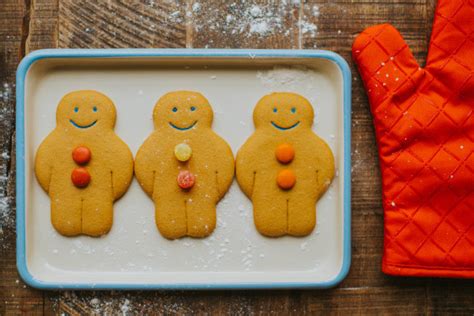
x,y
184,166
83,165
284,167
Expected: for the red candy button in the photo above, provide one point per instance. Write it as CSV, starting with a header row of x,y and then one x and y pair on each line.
x,y
186,179
80,177
81,155
285,153
286,179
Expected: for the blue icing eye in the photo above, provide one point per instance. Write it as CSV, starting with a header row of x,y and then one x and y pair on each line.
x,y
175,109
94,109
193,108
76,109
275,110
293,110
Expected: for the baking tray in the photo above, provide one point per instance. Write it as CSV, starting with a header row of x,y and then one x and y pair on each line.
x,y
134,255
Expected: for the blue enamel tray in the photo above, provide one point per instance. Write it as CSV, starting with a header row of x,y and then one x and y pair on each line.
x,y
134,255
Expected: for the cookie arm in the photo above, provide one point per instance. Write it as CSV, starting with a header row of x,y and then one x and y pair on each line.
x,y
225,169
145,162
44,165
325,169
121,170
245,170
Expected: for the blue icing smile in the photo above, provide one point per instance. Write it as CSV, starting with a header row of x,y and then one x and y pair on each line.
x,y
82,126
285,128
182,128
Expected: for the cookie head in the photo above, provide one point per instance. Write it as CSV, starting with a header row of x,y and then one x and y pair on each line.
x,y
86,110
182,111
283,112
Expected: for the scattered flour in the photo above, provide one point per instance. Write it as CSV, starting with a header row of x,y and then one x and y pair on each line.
x,y
255,11
247,256
260,27
125,307
258,20
289,78
308,28
7,221
95,301
315,10
5,92
196,7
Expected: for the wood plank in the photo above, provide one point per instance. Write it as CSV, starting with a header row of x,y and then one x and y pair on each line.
x,y
383,300
26,26
121,23
43,26
450,297
366,301
12,33
340,21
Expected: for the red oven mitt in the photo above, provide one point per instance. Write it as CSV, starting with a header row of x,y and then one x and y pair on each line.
x,y
424,124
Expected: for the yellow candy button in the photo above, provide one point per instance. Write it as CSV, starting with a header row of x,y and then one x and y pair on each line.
x,y
183,152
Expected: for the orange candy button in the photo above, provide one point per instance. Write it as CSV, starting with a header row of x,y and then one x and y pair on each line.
x,y
186,179
80,177
286,179
81,155
285,153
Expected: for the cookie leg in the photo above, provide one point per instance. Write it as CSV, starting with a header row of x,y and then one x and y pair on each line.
x,y
170,217
66,213
201,217
97,215
301,215
270,214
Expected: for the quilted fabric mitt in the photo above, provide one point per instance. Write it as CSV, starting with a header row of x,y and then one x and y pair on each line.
x,y
424,126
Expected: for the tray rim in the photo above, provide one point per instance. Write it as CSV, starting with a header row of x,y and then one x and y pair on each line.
x,y
31,58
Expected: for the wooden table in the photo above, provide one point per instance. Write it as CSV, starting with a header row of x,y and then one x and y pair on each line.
x,y
328,24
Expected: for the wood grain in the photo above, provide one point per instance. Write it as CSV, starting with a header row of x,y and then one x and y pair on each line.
x,y
25,25
43,25
328,24
384,300
107,24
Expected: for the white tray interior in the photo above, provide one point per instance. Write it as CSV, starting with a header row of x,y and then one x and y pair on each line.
x,y
134,251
